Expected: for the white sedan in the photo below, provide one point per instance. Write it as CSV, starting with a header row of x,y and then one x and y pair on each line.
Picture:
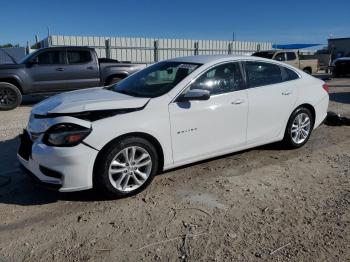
x,y
175,112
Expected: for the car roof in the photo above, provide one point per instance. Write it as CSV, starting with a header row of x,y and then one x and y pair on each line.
x,y
204,59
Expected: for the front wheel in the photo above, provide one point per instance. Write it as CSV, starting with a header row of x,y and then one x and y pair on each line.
x,y
299,128
10,96
126,167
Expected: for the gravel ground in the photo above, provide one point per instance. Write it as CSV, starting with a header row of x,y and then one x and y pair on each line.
x,y
257,205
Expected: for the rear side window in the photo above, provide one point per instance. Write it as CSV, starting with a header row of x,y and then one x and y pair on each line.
x,y
78,57
290,74
262,74
51,58
291,56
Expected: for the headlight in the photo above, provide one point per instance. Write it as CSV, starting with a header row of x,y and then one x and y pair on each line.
x,y
65,134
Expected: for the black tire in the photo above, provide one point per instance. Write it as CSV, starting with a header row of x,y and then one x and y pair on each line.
x,y
114,80
10,96
101,170
288,141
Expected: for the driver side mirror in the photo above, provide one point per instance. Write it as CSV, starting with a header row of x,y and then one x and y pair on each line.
x,y
33,61
194,95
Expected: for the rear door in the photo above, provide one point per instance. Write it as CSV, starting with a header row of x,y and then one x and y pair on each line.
x,y
271,100
82,69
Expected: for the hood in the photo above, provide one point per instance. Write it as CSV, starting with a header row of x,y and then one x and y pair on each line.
x,y
92,99
11,66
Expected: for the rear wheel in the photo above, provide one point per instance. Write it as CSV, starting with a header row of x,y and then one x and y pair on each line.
x,y
299,128
126,167
10,96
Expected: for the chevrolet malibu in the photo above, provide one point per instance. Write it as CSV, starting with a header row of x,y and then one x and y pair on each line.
x,y
172,113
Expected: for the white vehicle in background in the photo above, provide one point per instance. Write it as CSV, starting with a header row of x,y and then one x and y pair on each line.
x,y
293,58
175,112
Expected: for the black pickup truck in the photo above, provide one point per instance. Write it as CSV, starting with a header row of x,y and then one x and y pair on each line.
x,y
58,69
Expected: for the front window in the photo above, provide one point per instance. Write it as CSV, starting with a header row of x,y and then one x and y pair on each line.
x,y
155,80
51,58
280,57
221,79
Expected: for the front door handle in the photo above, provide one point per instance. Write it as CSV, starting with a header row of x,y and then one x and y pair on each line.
x,y
59,69
237,102
287,93
90,68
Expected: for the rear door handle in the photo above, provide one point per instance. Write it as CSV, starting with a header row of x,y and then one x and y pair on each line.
x,y
237,102
286,93
59,69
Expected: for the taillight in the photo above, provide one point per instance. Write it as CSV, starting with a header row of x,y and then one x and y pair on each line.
x,y
326,87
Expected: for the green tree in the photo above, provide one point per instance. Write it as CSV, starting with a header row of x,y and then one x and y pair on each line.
x,y
9,45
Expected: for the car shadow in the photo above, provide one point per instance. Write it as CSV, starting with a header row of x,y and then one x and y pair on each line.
x,y
341,97
19,189
34,99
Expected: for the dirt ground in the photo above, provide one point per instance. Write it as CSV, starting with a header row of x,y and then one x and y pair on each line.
x,y
264,204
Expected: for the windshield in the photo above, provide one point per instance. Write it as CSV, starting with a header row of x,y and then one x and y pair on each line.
x,y
265,54
155,80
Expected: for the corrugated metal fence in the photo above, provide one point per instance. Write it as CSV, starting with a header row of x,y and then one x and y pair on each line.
x,y
150,50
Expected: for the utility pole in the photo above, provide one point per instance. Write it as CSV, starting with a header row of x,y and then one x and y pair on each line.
x,y
233,36
48,31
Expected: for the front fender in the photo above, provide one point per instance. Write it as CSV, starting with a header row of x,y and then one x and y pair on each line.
x,y
14,77
155,124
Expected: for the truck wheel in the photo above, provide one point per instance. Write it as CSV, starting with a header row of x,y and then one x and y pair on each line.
x,y
114,80
10,96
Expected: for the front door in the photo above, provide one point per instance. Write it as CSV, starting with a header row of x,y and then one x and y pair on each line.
x,y
47,74
203,128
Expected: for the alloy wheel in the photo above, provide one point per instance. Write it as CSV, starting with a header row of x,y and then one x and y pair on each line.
x,y
130,168
7,96
301,127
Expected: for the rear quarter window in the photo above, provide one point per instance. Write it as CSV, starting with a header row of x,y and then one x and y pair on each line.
x,y
290,74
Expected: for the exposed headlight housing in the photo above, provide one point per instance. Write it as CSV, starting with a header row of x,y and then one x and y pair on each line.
x,y
65,135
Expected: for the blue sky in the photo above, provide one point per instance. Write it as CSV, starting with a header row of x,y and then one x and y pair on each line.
x,y
275,21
